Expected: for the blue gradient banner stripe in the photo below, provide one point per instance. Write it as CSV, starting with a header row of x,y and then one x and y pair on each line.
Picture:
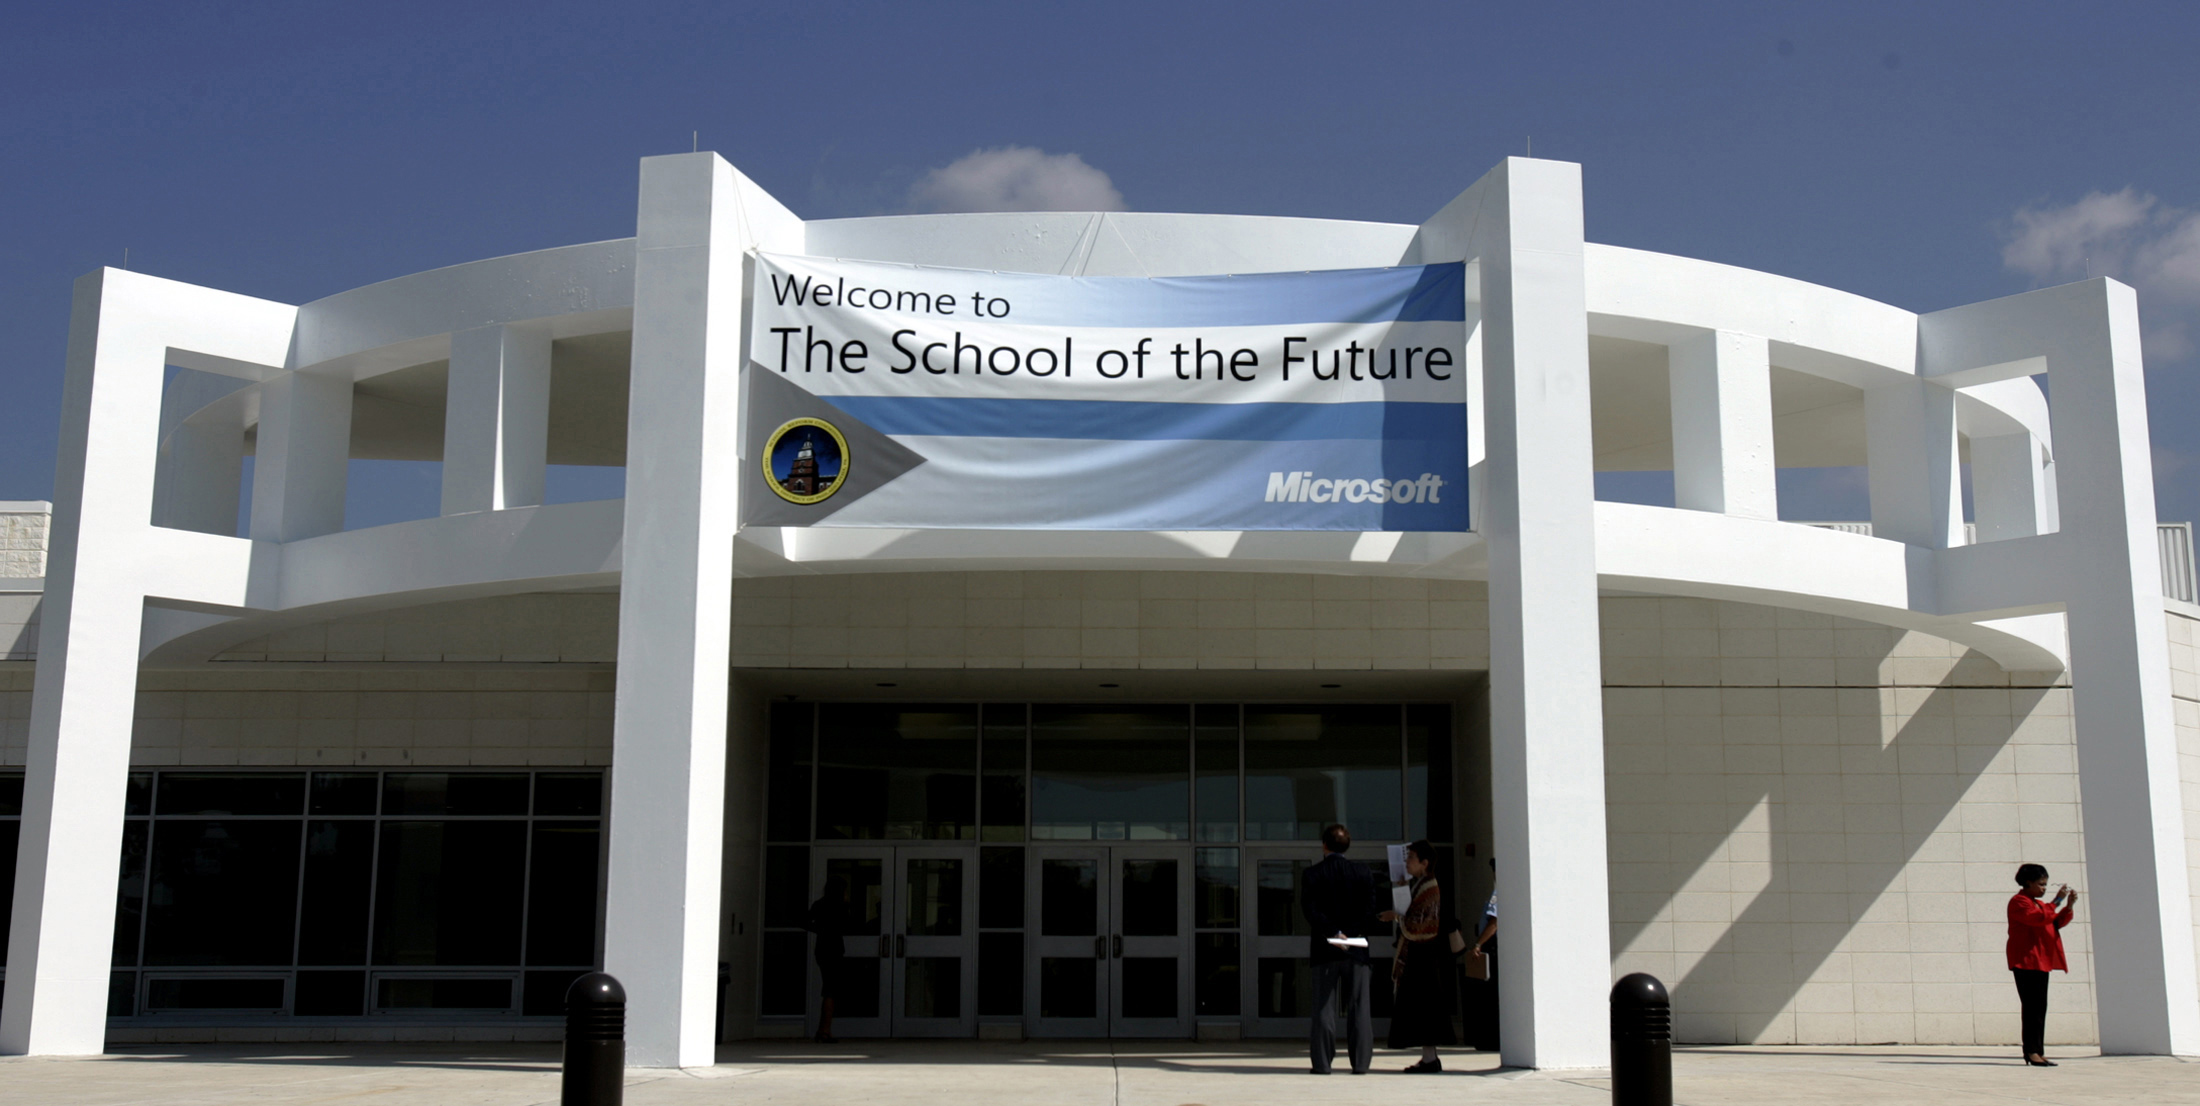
x,y
1122,420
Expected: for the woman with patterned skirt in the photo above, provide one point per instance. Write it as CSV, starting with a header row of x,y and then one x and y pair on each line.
x,y
1421,971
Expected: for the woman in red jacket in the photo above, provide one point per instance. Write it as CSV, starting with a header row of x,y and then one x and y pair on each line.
x,y
2035,949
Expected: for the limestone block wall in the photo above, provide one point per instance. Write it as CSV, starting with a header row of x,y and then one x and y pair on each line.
x,y
23,539
1814,825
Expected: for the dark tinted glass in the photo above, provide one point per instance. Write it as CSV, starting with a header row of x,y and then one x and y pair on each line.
x,y
443,994
129,892
897,772
1306,767
932,898
864,878
1215,888
11,794
784,973
569,794
1429,773
223,892
562,893
459,793
1111,773
1284,988
787,801
213,994
931,987
329,994
1002,803
343,793
138,801
786,885
1215,973
1148,908
10,834
242,793
121,994
1069,897
1001,887
1276,898
544,992
1069,987
449,892
1215,759
1149,986
339,875
1000,974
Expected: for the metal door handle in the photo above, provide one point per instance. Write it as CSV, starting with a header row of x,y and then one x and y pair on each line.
x,y
901,946
884,950
1099,948
1117,941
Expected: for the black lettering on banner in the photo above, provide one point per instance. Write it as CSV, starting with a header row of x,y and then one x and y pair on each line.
x,y
1245,359
811,343
852,355
1391,375
786,337
1289,358
822,295
928,367
904,351
792,287
1429,363
1178,352
1200,354
993,360
1122,363
977,357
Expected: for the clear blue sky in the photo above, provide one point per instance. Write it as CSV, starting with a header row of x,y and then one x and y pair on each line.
x,y
290,151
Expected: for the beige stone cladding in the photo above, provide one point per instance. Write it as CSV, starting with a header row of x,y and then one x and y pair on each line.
x,y
1814,825
23,543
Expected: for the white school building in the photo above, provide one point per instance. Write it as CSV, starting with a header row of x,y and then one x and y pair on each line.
x,y
266,776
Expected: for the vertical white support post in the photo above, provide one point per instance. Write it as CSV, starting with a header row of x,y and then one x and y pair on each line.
x,y
496,425
1524,223
1722,424
1916,474
675,608
2009,490
304,456
2130,789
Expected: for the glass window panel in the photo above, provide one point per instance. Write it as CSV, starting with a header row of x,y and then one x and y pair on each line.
x,y
443,994
1215,888
931,987
562,893
1215,974
787,803
241,793
1000,887
1306,767
1110,773
897,772
1149,900
129,892
1002,803
1285,987
449,892
329,994
933,894
1277,898
544,992
864,877
343,793
339,875
138,800
10,834
224,892
786,886
1215,785
784,974
859,990
458,793
1000,974
199,994
1069,897
1149,986
1068,987
568,794
1429,773
11,794
121,994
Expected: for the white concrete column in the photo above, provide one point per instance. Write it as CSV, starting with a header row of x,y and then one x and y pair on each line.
x,y
1524,222
122,329
1722,424
304,457
496,425
697,216
2009,486
1915,469
2130,790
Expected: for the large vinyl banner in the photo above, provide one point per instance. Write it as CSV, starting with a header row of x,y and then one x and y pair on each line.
x,y
897,396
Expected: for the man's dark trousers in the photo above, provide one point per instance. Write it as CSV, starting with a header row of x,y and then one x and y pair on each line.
x,y
1350,977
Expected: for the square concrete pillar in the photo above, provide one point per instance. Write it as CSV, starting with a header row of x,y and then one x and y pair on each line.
x,y
1722,424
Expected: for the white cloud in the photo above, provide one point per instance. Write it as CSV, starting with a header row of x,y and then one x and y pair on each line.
x,y
2129,235
1016,178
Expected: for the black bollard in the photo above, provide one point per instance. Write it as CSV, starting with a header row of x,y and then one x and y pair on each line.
x,y
1642,1042
595,1042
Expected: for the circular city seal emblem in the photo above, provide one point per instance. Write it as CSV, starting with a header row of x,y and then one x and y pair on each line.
x,y
806,460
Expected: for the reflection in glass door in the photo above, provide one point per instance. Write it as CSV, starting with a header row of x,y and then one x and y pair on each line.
x,y
910,944
1149,946
1068,990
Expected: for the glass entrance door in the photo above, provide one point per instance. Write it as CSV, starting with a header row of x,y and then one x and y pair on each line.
x,y
1068,989
1114,949
909,968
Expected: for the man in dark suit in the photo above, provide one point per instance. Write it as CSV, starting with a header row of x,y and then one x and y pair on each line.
x,y
1339,899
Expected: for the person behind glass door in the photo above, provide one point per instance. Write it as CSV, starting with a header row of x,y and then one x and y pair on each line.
x,y
1421,972
1339,899
2035,949
829,921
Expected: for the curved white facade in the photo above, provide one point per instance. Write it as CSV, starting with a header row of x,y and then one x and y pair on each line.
x,y
1578,626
